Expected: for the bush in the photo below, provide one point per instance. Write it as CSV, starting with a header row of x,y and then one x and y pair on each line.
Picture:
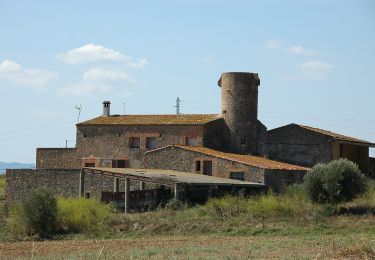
x,y
338,181
293,203
16,223
82,215
40,212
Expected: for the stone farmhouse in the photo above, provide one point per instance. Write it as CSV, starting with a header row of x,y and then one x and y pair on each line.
x,y
233,145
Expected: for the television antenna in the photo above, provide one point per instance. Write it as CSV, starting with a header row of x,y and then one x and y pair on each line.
x,y
79,109
177,106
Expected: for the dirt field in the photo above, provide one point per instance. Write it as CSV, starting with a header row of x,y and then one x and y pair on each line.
x,y
195,247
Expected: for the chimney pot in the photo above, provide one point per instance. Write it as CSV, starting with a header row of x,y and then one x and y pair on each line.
x,y
106,108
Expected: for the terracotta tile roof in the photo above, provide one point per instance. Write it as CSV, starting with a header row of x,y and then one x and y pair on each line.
x,y
183,119
256,161
336,136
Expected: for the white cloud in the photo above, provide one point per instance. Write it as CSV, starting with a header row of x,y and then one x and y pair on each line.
x,y
315,69
312,70
100,81
90,53
16,74
299,50
97,53
99,74
273,44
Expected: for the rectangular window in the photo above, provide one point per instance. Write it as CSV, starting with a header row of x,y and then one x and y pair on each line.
x,y
87,194
134,142
120,164
89,164
150,142
197,166
207,168
191,141
237,176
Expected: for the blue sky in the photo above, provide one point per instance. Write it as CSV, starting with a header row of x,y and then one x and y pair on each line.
x,y
315,60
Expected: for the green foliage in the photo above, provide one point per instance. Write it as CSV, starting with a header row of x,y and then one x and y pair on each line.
x,y
228,206
16,224
40,212
293,203
2,187
82,215
338,181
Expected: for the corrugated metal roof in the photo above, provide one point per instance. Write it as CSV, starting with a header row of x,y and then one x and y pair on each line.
x,y
337,136
182,119
169,176
251,160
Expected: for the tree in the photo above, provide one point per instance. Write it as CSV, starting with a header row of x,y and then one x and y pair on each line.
x,y
338,181
40,211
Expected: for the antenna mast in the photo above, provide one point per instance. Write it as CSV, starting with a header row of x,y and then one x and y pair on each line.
x,y
79,109
177,106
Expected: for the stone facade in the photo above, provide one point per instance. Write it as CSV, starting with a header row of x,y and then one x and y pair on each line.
x,y
297,146
62,182
178,159
20,183
301,146
239,101
103,144
57,158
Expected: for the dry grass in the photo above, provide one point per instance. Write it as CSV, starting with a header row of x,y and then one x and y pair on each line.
x,y
198,247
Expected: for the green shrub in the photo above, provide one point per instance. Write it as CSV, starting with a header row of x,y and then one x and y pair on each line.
x,y
338,181
40,211
82,215
227,206
16,223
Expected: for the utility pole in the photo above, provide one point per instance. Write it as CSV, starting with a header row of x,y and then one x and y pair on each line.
x,y
177,106
123,104
66,143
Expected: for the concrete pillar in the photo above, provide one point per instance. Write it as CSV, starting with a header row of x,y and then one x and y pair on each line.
x,y
81,183
142,185
127,195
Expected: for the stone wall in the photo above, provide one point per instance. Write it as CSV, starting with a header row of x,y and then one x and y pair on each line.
x,y
63,182
175,158
57,158
295,145
107,142
239,104
21,182
279,179
178,159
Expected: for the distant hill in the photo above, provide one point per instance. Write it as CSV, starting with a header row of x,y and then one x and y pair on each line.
x,y
14,165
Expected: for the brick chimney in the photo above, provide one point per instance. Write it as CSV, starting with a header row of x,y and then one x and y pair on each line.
x,y
106,108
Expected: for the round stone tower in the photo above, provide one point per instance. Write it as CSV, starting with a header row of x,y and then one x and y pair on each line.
x,y
239,102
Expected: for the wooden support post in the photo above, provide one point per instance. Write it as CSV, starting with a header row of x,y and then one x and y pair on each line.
x,y
127,195
116,184
142,185
81,183
177,192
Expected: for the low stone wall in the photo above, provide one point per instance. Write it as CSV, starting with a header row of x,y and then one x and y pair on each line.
x,y
57,158
21,182
278,180
63,182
